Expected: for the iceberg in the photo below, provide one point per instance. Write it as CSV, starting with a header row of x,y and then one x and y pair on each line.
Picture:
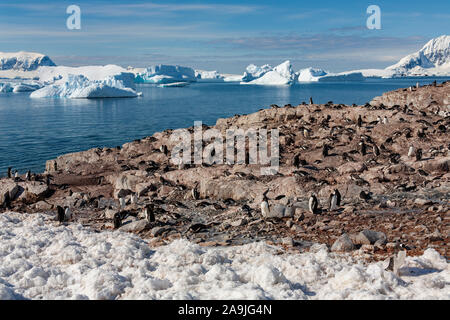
x,y
208,76
53,74
79,86
17,87
166,74
310,75
280,75
254,72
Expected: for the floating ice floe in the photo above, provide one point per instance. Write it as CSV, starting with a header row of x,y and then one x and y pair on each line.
x,y
41,259
166,74
173,84
79,86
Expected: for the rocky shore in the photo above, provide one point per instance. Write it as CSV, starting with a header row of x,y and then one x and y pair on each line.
x,y
393,197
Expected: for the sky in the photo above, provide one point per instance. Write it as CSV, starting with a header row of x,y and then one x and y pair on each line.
x,y
223,35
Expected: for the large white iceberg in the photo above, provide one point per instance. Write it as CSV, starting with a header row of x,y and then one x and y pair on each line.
x,y
166,74
310,75
79,86
282,74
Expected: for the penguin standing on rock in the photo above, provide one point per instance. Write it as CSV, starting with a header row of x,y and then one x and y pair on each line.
x,y
60,215
67,214
122,203
9,173
363,148
16,175
411,151
311,100
163,149
149,214
325,150
385,120
117,220
376,150
28,175
194,192
265,211
359,121
313,203
419,154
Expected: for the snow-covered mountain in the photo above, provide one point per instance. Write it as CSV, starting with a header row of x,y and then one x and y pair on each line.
x,y
23,61
435,54
432,60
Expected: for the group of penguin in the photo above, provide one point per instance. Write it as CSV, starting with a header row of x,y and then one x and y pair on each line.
x,y
15,175
148,212
334,201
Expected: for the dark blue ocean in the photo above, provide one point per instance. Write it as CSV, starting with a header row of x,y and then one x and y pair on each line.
x,y
35,130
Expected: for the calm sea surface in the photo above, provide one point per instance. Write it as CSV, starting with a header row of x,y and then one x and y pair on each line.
x,y
35,130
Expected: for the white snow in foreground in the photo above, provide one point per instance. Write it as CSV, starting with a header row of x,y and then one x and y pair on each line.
x,y
78,86
40,259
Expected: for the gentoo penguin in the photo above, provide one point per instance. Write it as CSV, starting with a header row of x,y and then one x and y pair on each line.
x,y
122,203
411,151
16,175
28,175
332,202
134,198
359,121
313,203
67,214
149,214
419,154
163,149
338,197
325,150
194,192
296,160
417,85
265,211
305,133
379,119
311,100
60,214
9,172
363,148
376,151
117,220
385,120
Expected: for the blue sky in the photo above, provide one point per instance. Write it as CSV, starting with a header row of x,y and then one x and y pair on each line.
x,y
223,35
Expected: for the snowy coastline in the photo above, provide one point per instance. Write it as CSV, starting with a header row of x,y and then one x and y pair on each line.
x,y
43,260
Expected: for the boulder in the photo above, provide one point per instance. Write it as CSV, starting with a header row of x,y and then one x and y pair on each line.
x,y
280,211
343,244
135,226
369,237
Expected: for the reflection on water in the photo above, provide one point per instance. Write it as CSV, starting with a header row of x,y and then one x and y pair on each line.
x,y
35,130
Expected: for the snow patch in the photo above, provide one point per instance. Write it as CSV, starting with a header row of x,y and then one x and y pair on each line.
x,y
43,260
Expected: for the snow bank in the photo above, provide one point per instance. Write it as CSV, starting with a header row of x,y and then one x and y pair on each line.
x,y
42,260
166,74
79,86
23,61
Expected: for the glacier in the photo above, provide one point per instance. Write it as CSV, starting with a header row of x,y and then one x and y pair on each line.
x,y
79,86
45,260
166,74
23,61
